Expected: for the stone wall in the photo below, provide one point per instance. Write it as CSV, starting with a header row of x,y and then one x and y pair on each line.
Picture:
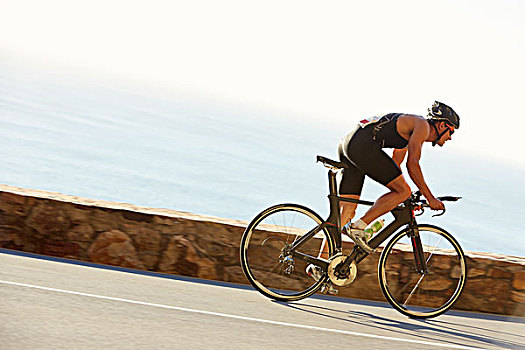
x,y
187,244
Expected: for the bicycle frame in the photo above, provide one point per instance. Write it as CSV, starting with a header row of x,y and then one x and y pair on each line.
x,y
403,214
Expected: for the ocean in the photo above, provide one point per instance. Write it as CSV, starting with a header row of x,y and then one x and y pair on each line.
x,y
112,142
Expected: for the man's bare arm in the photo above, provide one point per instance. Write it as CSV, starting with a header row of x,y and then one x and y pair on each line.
x,y
419,135
399,155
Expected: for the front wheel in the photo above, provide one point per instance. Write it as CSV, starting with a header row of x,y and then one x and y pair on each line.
x,y
265,257
416,293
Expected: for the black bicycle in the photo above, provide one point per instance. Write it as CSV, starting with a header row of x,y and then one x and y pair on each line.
x,y
422,269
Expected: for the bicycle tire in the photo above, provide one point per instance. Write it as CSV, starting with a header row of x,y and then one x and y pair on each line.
x,y
264,239
419,295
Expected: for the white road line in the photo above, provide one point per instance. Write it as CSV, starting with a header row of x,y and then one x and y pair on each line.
x,y
244,318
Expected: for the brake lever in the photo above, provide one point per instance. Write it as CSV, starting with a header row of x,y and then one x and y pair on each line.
x,y
420,209
442,212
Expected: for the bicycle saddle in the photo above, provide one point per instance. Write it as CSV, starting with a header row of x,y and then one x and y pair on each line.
x,y
329,163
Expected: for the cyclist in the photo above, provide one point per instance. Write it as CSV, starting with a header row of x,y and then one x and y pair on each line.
x,y
361,150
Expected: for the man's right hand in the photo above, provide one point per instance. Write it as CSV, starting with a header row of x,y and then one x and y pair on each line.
x,y
435,204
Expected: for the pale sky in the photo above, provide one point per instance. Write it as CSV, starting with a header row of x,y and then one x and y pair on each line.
x,y
325,60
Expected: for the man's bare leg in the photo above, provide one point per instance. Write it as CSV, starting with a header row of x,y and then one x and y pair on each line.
x,y
399,191
348,209
347,213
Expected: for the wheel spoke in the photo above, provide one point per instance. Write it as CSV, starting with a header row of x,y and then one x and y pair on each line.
x,y
263,243
437,244
413,290
422,294
276,267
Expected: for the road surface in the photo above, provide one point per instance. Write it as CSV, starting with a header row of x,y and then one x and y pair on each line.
x,y
55,305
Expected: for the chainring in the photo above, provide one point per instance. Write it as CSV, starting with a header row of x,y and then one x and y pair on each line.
x,y
341,281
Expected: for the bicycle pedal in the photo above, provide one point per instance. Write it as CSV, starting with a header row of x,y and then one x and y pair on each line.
x,y
360,242
363,245
366,248
329,289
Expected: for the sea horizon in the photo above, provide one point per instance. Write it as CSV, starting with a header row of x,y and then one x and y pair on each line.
x,y
109,144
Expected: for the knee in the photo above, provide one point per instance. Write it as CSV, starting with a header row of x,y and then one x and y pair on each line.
x,y
404,192
401,189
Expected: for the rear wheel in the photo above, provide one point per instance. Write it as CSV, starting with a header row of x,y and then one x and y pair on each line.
x,y
269,269
423,294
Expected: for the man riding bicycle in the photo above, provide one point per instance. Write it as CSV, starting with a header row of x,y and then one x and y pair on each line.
x,y
361,150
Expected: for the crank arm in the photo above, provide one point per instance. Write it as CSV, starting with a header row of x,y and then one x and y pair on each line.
x,y
310,259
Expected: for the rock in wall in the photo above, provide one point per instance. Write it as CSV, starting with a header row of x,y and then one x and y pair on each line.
x,y
187,244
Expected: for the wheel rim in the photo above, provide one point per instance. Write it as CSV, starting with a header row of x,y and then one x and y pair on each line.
x,y
273,273
423,294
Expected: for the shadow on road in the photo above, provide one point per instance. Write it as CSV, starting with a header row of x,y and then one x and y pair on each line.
x,y
452,332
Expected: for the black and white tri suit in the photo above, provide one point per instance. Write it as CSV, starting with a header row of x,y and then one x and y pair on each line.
x,y
362,151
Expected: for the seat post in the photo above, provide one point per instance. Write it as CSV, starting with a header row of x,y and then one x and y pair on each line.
x,y
332,197
332,186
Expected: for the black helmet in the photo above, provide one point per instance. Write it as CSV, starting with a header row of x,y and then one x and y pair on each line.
x,y
441,112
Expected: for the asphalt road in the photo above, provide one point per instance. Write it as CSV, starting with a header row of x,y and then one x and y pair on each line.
x,y
55,305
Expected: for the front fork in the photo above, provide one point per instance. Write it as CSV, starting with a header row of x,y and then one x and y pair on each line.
x,y
417,248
